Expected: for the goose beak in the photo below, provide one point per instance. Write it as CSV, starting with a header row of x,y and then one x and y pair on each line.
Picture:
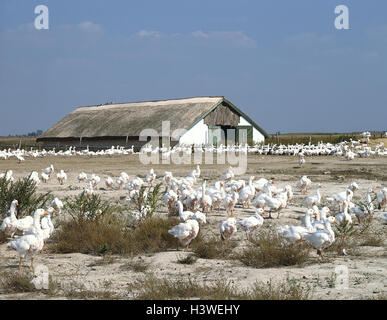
x,y
335,221
45,213
17,202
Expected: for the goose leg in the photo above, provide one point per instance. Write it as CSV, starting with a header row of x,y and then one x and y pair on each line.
x,y
32,263
20,263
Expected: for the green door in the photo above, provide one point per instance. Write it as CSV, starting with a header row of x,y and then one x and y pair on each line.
x,y
244,135
214,135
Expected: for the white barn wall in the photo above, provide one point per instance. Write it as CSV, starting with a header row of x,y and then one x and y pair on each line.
x,y
257,136
198,134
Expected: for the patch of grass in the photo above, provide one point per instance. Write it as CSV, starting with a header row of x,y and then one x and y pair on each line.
x,y
20,282
16,282
212,248
89,237
152,236
152,288
78,291
136,266
290,289
110,235
190,259
372,240
269,249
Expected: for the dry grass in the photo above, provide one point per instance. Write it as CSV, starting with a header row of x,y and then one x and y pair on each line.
x,y
212,248
77,291
16,282
152,288
20,282
270,249
113,237
136,266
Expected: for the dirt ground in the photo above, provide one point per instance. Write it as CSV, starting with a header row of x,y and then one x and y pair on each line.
x,y
367,268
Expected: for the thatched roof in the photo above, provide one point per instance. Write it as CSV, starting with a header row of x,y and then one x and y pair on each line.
x,y
129,119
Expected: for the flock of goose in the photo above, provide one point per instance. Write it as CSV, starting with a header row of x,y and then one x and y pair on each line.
x,y
192,200
347,149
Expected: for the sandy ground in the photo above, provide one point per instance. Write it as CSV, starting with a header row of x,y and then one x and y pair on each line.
x,y
367,269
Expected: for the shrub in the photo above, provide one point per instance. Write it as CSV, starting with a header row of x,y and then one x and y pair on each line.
x,y
95,229
350,236
88,208
25,191
147,200
270,249
212,248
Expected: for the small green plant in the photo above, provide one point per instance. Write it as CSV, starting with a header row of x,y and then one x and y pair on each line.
x,y
88,208
25,191
331,280
147,200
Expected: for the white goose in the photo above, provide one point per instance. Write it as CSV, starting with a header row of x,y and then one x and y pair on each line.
x,y
82,177
303,184
61,176
184,215
296,233
32,243
228,228
344,216
109,182
185,232
49,170
321,239
230,200
315,199
250,224
57,204
205,200
247,193
9,224
47,226
150,177
368,208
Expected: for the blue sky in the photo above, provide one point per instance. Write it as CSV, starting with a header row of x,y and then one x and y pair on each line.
x,y
282,62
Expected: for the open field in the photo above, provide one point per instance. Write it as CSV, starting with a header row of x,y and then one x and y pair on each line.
x,y
87,276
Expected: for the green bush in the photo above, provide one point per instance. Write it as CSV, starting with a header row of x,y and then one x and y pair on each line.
x,y
88,208
25,191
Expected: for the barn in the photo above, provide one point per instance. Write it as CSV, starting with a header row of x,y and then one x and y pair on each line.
x,y
103,126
